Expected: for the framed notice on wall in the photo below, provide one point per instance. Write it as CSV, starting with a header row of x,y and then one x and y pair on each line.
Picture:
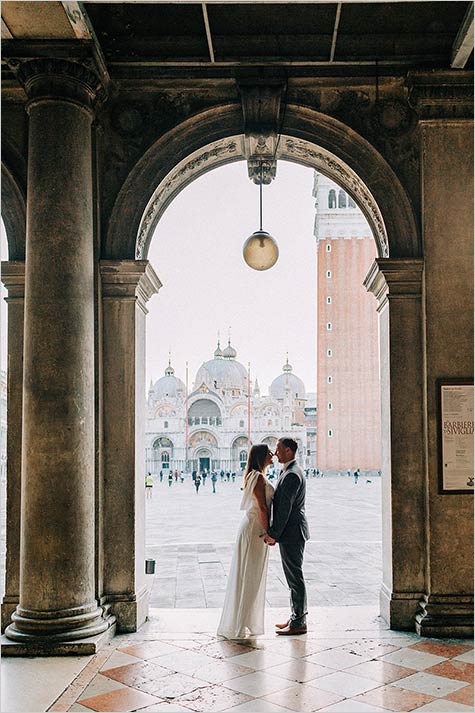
x,y
456,436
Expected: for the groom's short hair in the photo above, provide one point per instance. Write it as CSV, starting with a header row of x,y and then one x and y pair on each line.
x,y
289,443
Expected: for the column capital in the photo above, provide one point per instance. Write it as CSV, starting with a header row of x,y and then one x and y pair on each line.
x,y
13,277
395,277
50,78
129,279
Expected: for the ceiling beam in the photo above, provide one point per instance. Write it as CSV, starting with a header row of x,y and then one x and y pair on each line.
x,y
208,32
83,29
335,31
463,43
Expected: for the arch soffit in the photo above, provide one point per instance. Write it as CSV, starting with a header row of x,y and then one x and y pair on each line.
x,y
235,444
214,138
14,201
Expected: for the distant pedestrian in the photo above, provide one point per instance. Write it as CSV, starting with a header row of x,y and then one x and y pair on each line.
x,y
197,482
228,475
193,476
233,476
148,486
176,476
161,475
170,478
348,472
182,476
356,475
214,478
307,471
222,475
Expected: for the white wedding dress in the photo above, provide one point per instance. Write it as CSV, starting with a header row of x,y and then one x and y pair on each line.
x,y
244,603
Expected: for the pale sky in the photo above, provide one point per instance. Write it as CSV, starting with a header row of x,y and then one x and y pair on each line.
x,y
196,252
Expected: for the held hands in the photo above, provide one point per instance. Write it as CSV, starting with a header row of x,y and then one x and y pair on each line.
x,y
268,539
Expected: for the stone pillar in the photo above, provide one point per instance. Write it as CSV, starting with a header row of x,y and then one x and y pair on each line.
x,y
127,285
397,285
13,277
57,580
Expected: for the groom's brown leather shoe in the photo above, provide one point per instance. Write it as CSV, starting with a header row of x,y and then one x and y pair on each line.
x,y
289,631
282,626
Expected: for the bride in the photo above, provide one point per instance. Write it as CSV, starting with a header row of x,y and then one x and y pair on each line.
x,y
243,610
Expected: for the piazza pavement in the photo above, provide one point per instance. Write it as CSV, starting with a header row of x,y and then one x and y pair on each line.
x,y
191,536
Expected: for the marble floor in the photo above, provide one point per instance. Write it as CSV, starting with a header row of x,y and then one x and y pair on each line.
x,y
348,662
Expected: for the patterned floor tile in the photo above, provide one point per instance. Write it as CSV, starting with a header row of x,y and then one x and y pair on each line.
x,y
394,698
218,671
344,684
454,669
372,648
441,648
258,705
299,671
297,648
442,706
351,706
424,682
78,708
173,686
136,674
418,660
124,699
337,659
260,659
165,707
464,695
380,671
258,684
224,649
466,658
183,661
118,658
99,684
149,649
303,699
212,699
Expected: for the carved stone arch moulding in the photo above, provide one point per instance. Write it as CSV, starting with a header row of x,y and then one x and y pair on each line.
x,y
308,137
232,149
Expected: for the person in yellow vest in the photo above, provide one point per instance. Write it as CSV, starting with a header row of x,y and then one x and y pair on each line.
x,y
148,486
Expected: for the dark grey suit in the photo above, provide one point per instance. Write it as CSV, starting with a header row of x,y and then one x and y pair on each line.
x,y
290,529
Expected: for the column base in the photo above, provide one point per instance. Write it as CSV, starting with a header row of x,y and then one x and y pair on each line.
x,y
398,609
46,647
9,604
62,625
131,611
445,617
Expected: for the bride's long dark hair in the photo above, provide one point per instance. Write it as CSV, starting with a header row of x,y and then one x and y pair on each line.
x,y
255,460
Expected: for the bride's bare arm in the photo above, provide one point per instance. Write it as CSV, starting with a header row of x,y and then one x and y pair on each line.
x,y
260,495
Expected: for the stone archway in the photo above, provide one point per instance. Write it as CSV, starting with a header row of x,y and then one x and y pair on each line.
x,y
214,138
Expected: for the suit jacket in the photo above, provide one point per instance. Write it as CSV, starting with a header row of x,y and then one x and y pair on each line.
x,y
289,524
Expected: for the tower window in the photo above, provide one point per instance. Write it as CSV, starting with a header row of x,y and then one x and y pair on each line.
x,y
329,353
329,248
329,300
341,199
329,273
165,424
329,379
331,199
241,424
329,326
330,406
330,433
351,202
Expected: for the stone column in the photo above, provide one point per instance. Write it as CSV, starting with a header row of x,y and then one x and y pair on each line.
x,y
397,285
13,277
57,581
127,285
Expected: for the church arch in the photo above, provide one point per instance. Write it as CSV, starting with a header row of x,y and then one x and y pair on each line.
x,y
214,138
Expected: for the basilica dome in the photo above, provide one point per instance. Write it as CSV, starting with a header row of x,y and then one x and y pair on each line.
x,y
169,385
222,372
287,382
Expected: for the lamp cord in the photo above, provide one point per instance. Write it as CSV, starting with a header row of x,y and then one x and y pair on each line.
x,y
260,201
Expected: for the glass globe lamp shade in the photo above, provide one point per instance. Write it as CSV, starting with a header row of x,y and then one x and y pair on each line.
x,y
260,250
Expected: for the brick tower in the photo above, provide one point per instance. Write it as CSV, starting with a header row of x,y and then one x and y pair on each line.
x,y
348,388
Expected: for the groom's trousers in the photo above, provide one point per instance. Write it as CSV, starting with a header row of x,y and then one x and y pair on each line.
x,y
292,560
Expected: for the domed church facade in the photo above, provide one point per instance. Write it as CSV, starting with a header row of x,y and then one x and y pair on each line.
x,y
212,427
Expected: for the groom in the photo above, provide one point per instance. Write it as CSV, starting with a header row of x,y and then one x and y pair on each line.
x,y
290,529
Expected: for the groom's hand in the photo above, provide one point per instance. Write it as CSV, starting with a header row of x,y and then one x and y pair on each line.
x,y
268,539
